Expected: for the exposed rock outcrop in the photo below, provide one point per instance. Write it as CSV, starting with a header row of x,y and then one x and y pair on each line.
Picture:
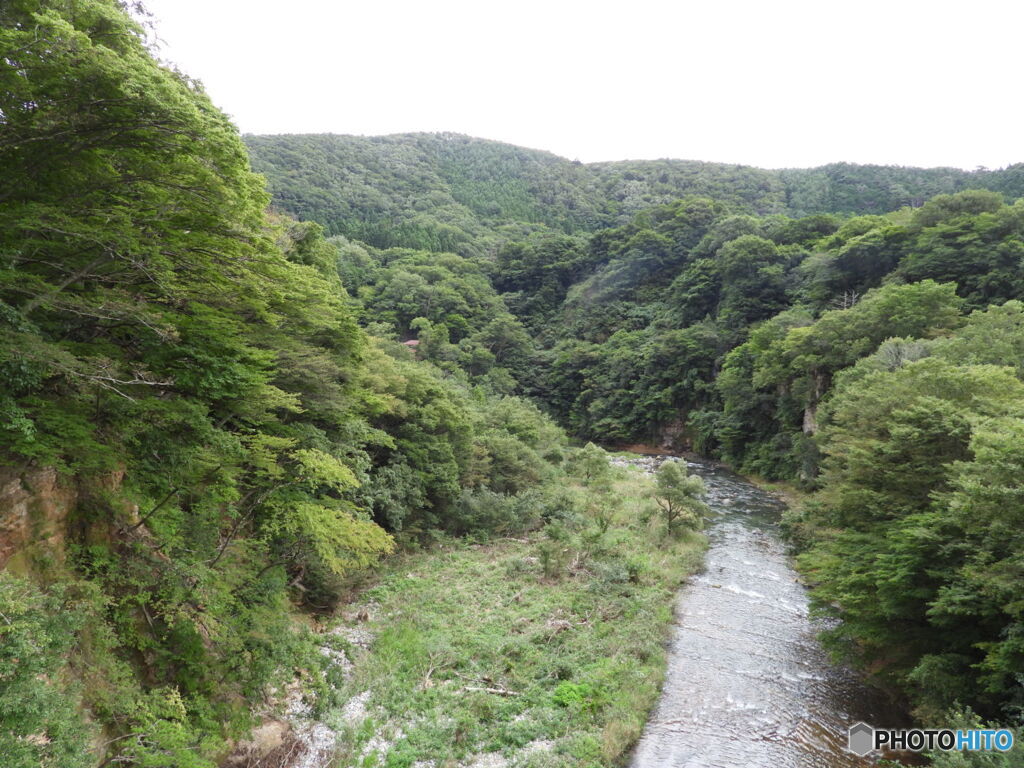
x,y
34,509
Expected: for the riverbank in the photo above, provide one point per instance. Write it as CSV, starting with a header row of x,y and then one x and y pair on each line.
x,y
547,649
791,494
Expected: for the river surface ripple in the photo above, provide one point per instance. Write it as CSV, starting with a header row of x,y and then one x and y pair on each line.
x,y
747,684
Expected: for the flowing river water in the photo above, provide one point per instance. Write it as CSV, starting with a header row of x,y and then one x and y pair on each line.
x,y
748,685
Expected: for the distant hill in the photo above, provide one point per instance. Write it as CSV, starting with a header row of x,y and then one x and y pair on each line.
x,y
446,191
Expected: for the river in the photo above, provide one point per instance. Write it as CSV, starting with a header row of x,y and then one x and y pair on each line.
x,y
748,685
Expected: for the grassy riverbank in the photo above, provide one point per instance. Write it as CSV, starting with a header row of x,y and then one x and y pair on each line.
x,y
542,650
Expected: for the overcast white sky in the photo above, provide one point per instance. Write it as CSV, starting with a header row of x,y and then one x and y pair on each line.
x,y
774,84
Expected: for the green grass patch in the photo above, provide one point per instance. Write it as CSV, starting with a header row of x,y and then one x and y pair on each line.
x,y
547,649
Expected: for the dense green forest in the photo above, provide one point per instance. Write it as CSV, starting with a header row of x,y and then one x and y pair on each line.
x,y
875,360
227,397
456,193
857,331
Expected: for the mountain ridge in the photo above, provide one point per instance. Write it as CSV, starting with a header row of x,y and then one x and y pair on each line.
x,y
452,192
456,135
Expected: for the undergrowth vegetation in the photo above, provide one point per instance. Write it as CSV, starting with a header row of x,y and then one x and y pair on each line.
x,y
543,647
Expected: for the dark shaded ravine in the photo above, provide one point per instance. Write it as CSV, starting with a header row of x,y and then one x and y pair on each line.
x,y
748,685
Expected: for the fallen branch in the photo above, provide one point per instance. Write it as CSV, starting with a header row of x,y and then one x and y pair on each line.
x,y
495,691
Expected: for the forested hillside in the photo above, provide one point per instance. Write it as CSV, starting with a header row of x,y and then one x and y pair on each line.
x,y
452,192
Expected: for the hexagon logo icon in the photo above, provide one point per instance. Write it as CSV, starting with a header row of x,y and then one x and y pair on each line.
x,y
861,739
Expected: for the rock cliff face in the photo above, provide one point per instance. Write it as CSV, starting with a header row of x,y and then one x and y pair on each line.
x,y
34,509
674,435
